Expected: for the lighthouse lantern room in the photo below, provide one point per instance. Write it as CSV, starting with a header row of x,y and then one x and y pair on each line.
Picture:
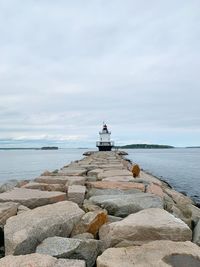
x,y
105,144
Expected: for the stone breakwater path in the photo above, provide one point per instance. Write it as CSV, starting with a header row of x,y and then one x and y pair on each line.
x,y
99,211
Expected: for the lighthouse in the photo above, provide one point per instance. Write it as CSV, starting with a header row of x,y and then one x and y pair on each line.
x,y
104,144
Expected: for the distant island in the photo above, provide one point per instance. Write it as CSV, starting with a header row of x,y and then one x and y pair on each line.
x,y
49,148
30,148
147,146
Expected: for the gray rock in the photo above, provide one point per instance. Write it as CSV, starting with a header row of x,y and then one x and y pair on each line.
x,y
59,247
145,226
25,231
32,198
123,205
7,210
196,234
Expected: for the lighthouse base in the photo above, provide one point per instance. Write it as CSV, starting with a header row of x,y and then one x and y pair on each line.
x,y
105,148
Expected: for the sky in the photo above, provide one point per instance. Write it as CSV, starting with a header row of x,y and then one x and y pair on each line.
x,y
67,66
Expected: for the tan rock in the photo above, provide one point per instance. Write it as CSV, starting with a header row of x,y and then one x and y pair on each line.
x,y
52,179
150,178
22,209
154,254
72,171
119,179
76,193
177,197
90,222
115,185
32,198
155,189
75,180
45,187
145,226
38,260
25,231
111,173
7,210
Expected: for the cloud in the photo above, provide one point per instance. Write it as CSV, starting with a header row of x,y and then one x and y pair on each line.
x,y
67,66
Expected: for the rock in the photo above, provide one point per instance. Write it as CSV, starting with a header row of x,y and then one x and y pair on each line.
x,y
177,197
156,254
112,219
25,231
59,247
145,226
90,222
95,172
99,192
32,198
88,206
72,172
76,193
148,177
183,213
84,236
115,185
196,234
123,205
70,263
9,185
119,179
22,209
45,187
46,173
38,260
155,189
52,179
195,213
7,210
75,180
111,173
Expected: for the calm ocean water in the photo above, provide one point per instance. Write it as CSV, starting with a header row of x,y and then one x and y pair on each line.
x,y
179,167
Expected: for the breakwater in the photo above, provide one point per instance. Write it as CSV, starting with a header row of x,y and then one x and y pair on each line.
x,y
95,212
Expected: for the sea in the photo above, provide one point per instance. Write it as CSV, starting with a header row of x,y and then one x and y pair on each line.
x,y
180,167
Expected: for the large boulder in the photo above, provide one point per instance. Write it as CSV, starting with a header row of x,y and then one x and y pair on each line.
x,y
25,231
7,210
156,254
76,193
9,185
38,260
145,226
32,198
123,205
60,247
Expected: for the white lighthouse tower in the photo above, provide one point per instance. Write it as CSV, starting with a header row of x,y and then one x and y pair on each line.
x,y
105,144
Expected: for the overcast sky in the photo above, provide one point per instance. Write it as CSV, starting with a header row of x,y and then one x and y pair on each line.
x,y
67,66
